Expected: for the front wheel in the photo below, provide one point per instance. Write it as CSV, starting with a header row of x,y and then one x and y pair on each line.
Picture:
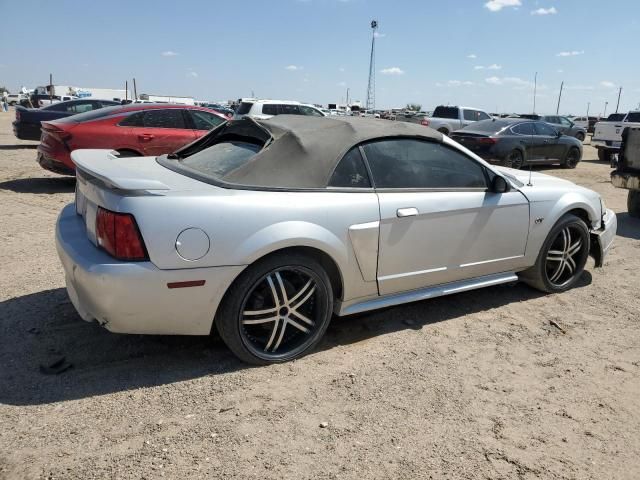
x,y
604,155
580,136
277,310
572,158
562,258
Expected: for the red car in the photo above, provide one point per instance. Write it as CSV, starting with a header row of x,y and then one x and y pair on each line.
x,y
132,130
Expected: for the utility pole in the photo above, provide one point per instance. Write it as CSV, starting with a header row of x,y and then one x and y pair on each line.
x,y
347,103
559,97
51,88
371,87
126,90
135,90
588,105
618,104
535,87
605,109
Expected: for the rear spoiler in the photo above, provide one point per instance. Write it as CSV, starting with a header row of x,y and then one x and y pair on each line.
x,y
106,166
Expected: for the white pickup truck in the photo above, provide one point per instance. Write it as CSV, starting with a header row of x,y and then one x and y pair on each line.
x,y
607,135
448,119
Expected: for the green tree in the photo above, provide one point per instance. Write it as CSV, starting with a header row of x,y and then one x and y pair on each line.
x,y
3,89
414,107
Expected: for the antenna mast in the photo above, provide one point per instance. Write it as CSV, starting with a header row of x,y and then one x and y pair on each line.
x,y
371,87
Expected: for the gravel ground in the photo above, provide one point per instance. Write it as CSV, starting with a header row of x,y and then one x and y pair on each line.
x,y
478,385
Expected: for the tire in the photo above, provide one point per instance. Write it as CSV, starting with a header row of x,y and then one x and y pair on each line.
x,y
557,269
444,131
604,155
124,153
515,159
633,203
572,158
580,136
261,325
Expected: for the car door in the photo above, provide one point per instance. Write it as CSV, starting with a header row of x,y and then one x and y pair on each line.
x,y
549,146
163,131
525,134
469,116
203,121
439,222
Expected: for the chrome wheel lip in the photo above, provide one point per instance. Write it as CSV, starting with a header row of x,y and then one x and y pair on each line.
x,y
285,314
566,258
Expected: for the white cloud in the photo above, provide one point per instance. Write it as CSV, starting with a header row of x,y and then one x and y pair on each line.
x,y
515,82
478,67
579,87
293,68
472,55
494,67
341,69
560,70
379,35
497,5
169,53
455,83
607,84
342,84
571,53
544,11
192,74
392,71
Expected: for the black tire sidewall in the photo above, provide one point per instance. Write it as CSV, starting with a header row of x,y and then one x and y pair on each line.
x,y
633,203
540,267
227,319
566,163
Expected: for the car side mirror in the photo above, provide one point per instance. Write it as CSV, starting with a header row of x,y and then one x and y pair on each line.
x,y
500,185
558,134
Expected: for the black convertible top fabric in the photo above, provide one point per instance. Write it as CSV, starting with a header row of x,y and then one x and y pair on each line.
x,y
304,150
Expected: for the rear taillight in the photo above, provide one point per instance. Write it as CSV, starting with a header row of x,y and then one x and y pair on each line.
x,y
425,122
488,141
17,115
119,235
60,134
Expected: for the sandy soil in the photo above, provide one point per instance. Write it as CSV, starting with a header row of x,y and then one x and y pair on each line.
x,y
479,385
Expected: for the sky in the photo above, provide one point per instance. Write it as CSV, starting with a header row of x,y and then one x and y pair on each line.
x,y
477,53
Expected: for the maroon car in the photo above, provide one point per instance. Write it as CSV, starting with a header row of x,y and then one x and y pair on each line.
x,y
148,129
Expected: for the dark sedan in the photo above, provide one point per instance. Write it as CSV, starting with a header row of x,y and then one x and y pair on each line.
x,y
515,142
27,123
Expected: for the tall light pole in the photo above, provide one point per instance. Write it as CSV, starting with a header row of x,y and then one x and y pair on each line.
x,y
605,109
559,97
535,86
618,104
371,87
588,105
347,96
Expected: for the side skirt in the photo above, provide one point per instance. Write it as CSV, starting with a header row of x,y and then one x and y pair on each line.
x,y
363,305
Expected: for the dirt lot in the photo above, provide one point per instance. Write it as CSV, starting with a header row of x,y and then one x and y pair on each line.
x,y
477,385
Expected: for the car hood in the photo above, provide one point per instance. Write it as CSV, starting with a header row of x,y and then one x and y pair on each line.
x,y
538,186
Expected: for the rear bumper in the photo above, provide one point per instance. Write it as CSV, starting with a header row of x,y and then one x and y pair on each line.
x,y
630,181
54,165
133,297
608,144
26,131
602,239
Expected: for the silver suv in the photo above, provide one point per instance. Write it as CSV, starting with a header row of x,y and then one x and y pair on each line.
x,y
264,109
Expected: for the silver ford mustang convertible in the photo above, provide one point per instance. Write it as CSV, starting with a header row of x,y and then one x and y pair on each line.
x,y
265,229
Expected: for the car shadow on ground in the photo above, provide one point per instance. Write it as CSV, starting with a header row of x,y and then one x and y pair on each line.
x,y
40,185
39,329
628,226
18,147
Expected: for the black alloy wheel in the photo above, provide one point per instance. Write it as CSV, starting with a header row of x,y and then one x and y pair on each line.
x,y
514,160
572,158
277,311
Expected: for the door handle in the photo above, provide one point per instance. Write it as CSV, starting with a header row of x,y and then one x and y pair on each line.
x,y
407,212
145,137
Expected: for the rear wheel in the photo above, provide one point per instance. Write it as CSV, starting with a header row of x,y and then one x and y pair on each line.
x,y
443,131
277,310
562,258
514,160
604,155
572,158
633,203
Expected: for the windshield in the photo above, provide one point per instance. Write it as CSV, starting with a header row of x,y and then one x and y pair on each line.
x,y
244,108
222,158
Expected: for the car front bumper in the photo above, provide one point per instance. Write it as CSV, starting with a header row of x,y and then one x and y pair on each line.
x,y
134,297
602,239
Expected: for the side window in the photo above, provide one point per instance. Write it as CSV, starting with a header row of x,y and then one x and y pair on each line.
x,y
270,109
204,120
169,118
287,109
305,110
483,116
136,119
564,121
351,172
524,129
545,129
408,163
81,107
470,115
